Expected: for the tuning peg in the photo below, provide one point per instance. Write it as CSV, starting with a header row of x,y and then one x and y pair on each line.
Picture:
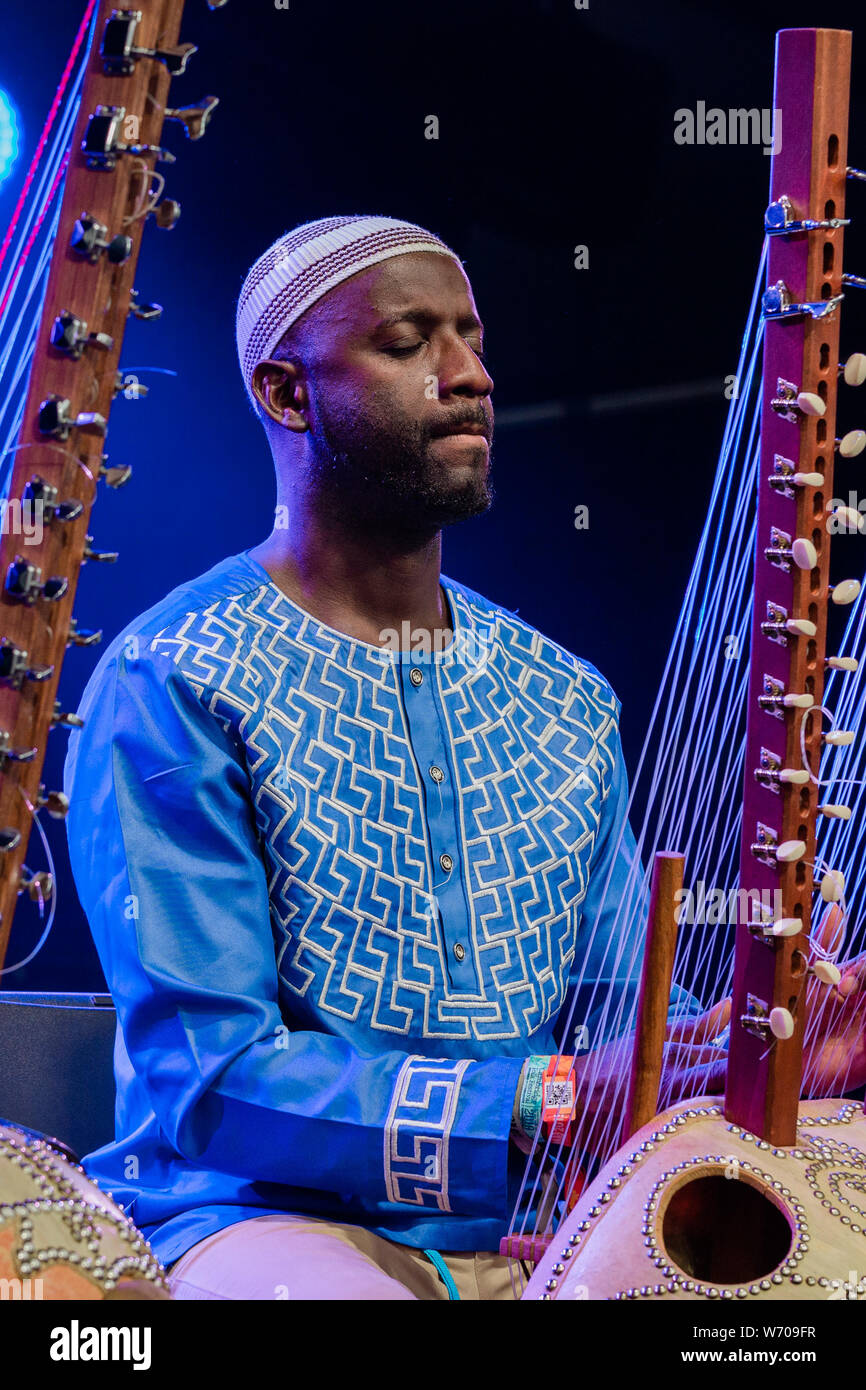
x,y
132,388
779,1022
119,52
194,119
83,636
39,886
66,717
835,812
54,418
826,972
832,885
107,556
842,663
847,518
89,238
14,755
845,592
854,282
143,311
804,554
854,370
783,926
23,583
55,803
166,214
851,444
14,668
782,700
810,404
789,851
115,477
101,145
839,738
69,335
797,627
43,496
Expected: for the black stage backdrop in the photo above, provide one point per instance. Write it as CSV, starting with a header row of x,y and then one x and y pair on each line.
x,y
555,132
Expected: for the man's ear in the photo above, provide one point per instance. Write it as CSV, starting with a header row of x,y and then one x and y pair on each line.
x,y
280,390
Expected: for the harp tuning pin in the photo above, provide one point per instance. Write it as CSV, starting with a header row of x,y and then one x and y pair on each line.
x,y
784,926
66,717
842,663
810,403
55,803
39,886
109,556
194,119
847,518
852,443
781,1023
845,592
804,701
835,812
807,479
789,851
794,776
832,885
804,554
839,738
801,627
166,214
854,370
826,972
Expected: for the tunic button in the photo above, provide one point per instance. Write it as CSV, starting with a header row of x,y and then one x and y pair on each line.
x,y
446,862
437,774
459,951
416,676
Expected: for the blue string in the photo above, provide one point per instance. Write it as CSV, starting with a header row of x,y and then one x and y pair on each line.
x,y
447,1278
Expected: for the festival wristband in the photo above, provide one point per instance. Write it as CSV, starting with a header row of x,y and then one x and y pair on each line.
x,y
529,1108
558,1100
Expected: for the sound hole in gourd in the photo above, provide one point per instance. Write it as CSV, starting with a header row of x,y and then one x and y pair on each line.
x,y
724,1230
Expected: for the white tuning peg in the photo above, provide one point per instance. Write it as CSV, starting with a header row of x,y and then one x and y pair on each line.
x,y
848,517
839,738
852,444
804,701
804,554
806,479
835,812
781,1023
784,926
845,592
796,776
801,627
842,663
810,404
826,972
854,370
790,850
832,885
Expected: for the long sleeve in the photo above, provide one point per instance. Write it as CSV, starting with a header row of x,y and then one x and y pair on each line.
x,y
171,873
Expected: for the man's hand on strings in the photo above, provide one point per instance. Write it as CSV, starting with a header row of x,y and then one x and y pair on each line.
x,y
834,1050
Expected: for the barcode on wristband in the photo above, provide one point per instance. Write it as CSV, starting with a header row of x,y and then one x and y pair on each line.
x,y
558,1094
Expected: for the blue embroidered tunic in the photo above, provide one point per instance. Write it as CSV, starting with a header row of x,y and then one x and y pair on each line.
x,y
340,893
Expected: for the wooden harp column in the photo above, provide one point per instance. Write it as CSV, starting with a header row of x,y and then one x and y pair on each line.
x,y
808,168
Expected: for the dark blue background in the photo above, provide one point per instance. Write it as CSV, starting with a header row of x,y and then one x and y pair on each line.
x,y
556,129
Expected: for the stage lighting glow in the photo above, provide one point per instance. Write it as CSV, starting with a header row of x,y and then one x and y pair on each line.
x,y
8,135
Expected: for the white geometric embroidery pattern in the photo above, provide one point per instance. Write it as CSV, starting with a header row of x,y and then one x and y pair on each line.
x,y
417,1131
339,808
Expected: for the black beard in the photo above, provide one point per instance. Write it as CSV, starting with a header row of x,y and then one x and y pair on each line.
x,y
381,478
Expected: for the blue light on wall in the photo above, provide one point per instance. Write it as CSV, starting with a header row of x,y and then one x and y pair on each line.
x,y
8,136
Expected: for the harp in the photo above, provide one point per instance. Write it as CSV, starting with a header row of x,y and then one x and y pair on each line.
x,y
98,187
759,1193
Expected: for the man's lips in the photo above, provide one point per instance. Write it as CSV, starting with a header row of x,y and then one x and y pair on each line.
x,y
470,427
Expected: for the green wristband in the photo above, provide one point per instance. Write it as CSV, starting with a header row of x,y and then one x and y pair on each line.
x,y
531,1096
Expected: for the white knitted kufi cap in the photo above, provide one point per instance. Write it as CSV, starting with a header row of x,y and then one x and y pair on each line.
x,y
306,263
